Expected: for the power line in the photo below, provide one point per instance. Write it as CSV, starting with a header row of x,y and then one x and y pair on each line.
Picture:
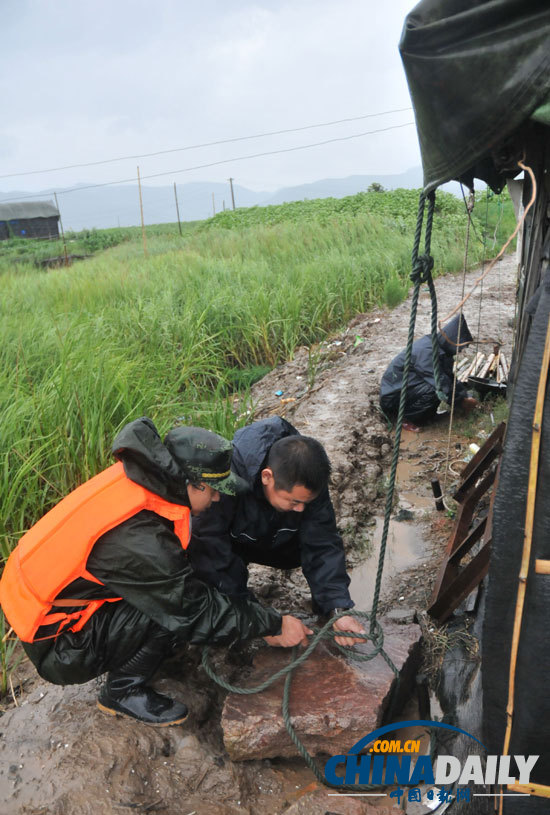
x,y
206,144
217,163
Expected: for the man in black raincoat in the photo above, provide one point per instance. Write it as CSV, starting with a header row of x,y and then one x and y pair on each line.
x,y
163,604
286,520
422,400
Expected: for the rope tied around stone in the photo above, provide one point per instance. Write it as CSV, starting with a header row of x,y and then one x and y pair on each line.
x,y
324,633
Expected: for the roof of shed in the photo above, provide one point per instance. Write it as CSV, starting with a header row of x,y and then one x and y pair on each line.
x,y
28,209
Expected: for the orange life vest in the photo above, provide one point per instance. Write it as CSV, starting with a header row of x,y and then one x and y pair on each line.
x,y
55,550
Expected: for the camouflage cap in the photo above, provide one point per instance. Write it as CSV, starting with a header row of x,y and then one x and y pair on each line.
x,y
206,458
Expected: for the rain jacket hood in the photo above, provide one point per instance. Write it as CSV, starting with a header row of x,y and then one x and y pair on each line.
x,y
148,462
253,443
455,335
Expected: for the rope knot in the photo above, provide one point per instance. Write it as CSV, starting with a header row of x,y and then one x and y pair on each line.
x,y
422,268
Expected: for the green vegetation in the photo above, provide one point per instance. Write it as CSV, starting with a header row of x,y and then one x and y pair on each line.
x,y
82,244
479,424
10,655
37,252
493,216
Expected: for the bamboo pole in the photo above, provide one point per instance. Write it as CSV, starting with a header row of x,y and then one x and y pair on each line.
x,y
479,364
473,365
504,365
527,540
486,368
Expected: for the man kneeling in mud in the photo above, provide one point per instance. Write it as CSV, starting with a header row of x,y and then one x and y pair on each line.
x,y
101,583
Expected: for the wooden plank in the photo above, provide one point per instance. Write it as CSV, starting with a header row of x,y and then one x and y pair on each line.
x,y
539,790
482,459
470,540
454,584
465,582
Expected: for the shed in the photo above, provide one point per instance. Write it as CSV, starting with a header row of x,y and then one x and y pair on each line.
x,y
29,219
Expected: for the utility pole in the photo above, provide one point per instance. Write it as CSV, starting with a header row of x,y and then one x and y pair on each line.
x,y
62,232
223,204
213,204
141,210
177,208
232,195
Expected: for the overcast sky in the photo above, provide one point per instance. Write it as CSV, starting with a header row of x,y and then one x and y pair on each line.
x,y
88,81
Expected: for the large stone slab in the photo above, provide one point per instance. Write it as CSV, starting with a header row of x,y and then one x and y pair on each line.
x,y
333,701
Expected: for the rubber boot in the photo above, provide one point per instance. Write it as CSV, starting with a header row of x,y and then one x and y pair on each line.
x,y
125,692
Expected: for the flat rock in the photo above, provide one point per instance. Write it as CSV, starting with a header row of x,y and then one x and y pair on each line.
x,y
333,701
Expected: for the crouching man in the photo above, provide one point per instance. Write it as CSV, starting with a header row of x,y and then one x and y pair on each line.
x,y
101,584
286,520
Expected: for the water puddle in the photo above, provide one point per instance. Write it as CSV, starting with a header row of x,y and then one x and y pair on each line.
x,y
405,547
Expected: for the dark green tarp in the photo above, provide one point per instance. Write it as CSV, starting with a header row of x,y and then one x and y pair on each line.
x,y
28,209
477,71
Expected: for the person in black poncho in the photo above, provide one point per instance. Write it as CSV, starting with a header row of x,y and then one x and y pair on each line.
x,y
422,400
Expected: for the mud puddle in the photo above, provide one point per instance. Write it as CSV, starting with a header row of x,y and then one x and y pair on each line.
x,y
404,548
408,541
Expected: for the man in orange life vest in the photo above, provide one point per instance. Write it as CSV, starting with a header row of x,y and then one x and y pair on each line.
x,y
101,583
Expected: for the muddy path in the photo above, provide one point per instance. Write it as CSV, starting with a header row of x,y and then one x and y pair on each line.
x,y
61,756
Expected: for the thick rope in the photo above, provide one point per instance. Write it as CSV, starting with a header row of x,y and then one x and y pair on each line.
x,y
324,633
421,273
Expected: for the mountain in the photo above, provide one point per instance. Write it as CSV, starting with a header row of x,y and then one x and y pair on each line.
x,y
340,187
103,207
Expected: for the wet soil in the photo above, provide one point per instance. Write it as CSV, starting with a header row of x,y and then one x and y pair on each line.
x,y
60,755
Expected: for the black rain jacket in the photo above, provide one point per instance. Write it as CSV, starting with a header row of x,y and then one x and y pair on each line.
x,y
142,561
421,393
250,522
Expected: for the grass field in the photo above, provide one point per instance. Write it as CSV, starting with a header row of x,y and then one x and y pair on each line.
x,y
87,348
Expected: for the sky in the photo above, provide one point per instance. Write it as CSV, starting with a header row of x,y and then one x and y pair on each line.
x,y
84,82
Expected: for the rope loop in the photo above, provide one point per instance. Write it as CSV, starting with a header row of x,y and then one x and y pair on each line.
x,y
422,268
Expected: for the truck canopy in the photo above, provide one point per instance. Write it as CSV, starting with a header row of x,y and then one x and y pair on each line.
x,y
478,73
